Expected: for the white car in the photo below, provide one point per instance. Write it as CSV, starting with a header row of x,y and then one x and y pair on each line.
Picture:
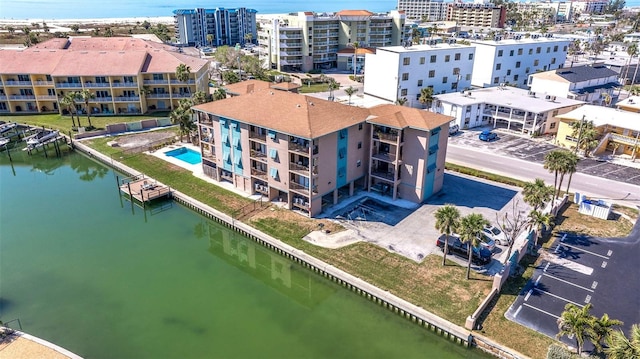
x,y
496,234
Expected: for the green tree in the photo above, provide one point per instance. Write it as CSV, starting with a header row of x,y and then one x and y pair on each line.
x,y
75,28
108,32
570,167
86,96
181,116
600,329
552,163
219,94
426,96
11,30
183,72
621,347
230,77
586,134
210,39
355,45
68,102
199,97
350,91
537,193
146,24
248,37
575,321
333,85
447,220
401,101
470,230
539,219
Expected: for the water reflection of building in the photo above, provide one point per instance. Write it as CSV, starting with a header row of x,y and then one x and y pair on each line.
x,y
278,272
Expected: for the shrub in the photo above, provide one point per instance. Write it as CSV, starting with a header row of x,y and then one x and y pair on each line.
x,y
559,352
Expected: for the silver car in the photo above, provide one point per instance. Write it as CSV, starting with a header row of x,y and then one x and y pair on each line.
x,y
487,242
496,234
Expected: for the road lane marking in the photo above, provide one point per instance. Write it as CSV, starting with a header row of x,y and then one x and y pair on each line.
x,y
584,250
573,284
540,310
559,297
580,268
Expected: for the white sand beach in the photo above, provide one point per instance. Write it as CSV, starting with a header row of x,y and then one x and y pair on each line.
x,y
63,24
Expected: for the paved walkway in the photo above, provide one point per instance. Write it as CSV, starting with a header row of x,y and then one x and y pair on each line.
x,y
24,346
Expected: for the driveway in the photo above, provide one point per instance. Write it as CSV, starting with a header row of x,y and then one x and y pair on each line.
x,y
581,270
534,150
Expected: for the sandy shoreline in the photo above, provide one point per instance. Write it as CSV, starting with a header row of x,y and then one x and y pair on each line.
x,y
103,21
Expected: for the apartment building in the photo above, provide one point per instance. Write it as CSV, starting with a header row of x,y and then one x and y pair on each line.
x,y
308,153
590,83
506,107
511,61
398,72
215,27
423,10
125,76
589,6
629,104
477,14
305,40
619,131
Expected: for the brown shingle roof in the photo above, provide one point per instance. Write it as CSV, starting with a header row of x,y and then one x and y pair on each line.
x,y
246,87
401,117
285,86
286,112
361,50
100,63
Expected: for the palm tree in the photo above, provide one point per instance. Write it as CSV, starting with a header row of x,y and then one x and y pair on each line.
x,y
621,347
181,116
248,37
537,193
586,133
86,96
210,39
401,101
333,85
552,162
183,72
538,219
199,97
447,219
68,102
570,166
575,321
350,91
470,230
632,51
600,329
426,96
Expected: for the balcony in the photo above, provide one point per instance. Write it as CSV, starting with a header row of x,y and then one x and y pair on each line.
x,y
299,149
21,97
258,173
301,202
386,136
188,82
156,82
298,188
384,175
127,99
299,168
68,85
385,156
96,84
47,97
125,84
43,83
17,83
255,135
209,155
258,155
3,97
181,95
158,95
262,188
102,99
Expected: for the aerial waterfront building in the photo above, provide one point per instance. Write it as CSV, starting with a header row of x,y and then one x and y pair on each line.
x,y
124,75
308,153
476,14
423,10
590,83
511,61
398,72
507,107
305,40
215,27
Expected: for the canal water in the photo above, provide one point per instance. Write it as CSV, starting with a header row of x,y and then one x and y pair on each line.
x,y
83,269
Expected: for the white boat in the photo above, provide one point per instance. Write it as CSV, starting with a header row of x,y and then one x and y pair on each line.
x,y
41,137
4,141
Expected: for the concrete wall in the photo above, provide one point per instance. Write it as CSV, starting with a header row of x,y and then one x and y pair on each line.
x,y
327,155
414,164
381,77
355,154
281,163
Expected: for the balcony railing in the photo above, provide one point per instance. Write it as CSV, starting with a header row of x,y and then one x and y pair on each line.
x,y
3,97
181,95
259,173
43,83
209,155
47,97
68,85
102,99
301,149
298,187
385,156
17,83
22,97
156,82
178,82
391,137
127,99
158,95
96,84
258,155
386,175
125,84
300,168
624,139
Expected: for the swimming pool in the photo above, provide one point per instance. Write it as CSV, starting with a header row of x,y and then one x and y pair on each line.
x,y
185,155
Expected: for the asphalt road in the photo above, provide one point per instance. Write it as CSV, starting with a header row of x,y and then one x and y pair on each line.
x,y
530,168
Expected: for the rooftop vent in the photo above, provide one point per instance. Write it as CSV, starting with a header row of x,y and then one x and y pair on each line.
x,y
531,94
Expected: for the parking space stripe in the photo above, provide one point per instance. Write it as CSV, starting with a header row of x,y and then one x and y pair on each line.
x,y
580,268
517,311
559,297
584,250
565,281
541,311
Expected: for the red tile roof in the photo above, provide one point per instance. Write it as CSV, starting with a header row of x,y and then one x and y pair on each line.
x,y
29,62
354,13
402,117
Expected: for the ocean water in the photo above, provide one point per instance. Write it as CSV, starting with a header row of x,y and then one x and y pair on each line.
x,y
81,9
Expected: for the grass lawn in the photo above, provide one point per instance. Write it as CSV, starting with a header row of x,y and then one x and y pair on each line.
x,y
324,87
63,123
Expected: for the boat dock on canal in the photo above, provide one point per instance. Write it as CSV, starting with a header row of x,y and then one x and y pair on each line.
x,y
143,189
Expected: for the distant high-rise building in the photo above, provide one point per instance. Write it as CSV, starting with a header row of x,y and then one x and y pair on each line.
x,y
215,27
474,14
425,10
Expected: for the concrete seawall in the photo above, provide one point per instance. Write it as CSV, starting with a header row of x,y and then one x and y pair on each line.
x,y
385,299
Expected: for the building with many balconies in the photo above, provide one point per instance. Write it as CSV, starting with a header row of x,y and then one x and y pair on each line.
x,y
308,153
476,14
124,75
424,10
505,107
215,27
305,40
398,72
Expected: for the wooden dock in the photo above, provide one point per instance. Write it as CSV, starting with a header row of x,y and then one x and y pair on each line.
x,y
143,189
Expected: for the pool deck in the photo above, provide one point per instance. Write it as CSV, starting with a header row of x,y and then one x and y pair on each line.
x,y
24,346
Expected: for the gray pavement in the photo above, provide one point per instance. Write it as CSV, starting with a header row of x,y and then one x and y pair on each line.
x,y
582,270
409,229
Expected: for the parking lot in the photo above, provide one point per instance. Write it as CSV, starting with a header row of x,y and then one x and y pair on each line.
x,y
534,150
582,270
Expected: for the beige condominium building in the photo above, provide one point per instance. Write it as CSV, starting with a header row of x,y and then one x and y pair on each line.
x,y
475,14
124,75
306,40
309,153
